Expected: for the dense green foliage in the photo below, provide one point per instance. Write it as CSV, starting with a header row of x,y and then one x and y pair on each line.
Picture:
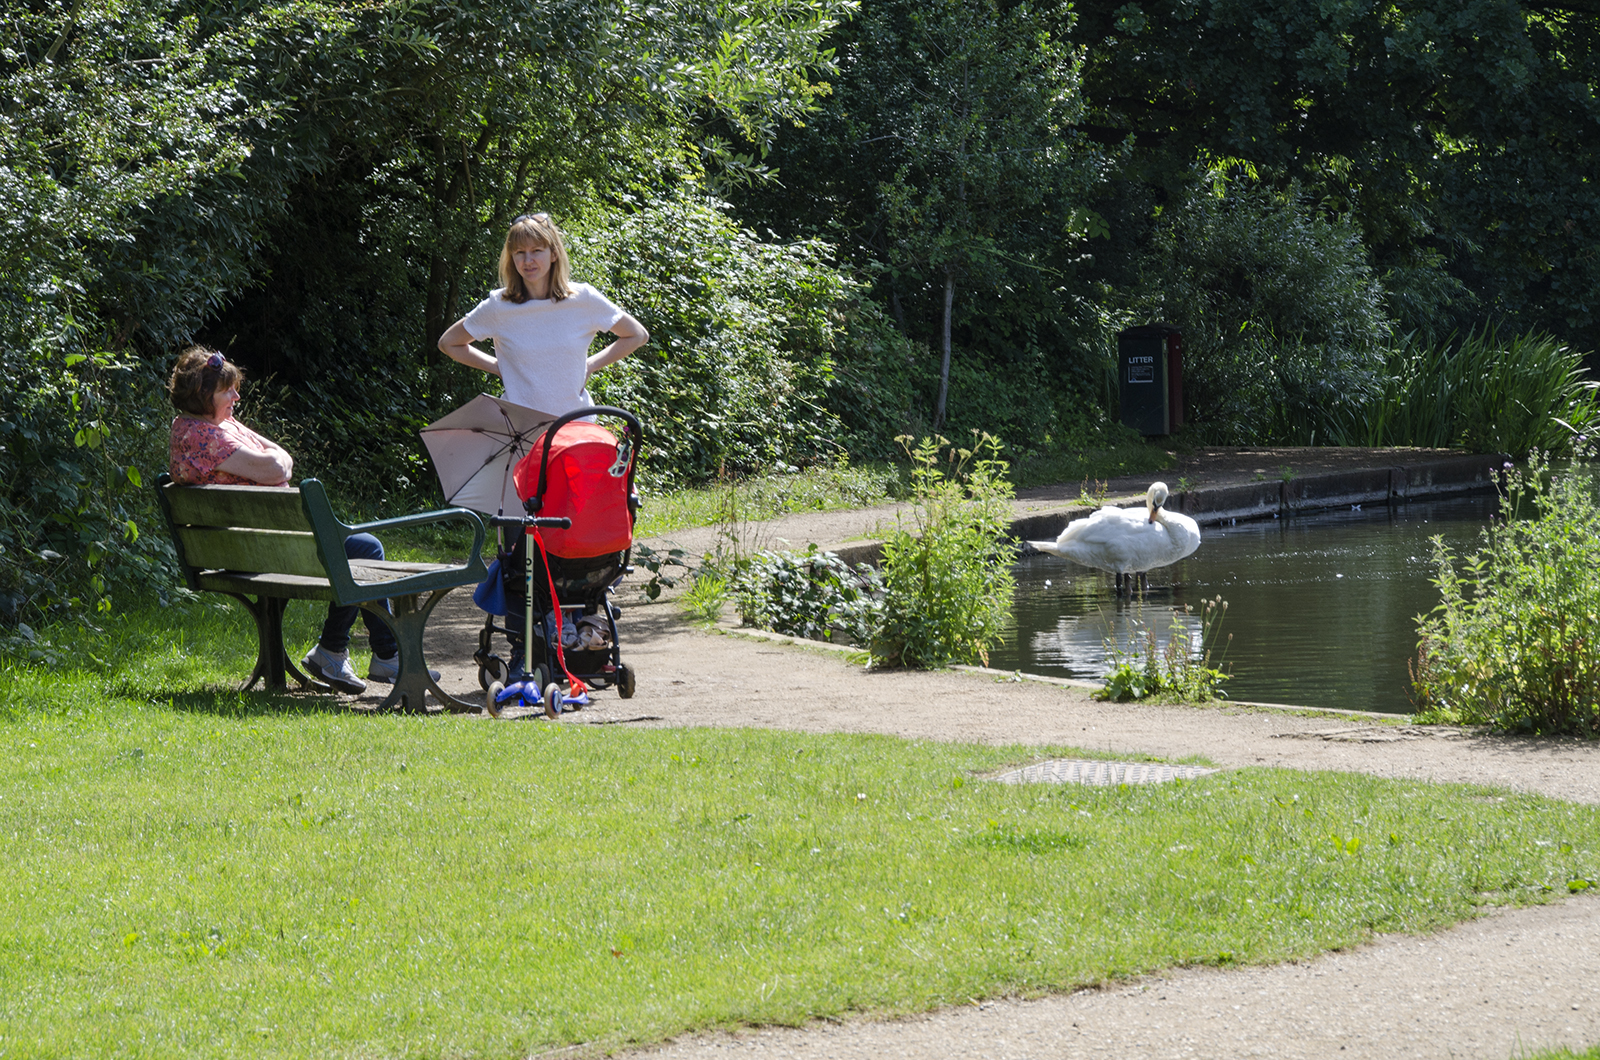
x,y
1460,138
1515,640
742,335
947,578
843,221
947,167
809,594
318,188
1280,313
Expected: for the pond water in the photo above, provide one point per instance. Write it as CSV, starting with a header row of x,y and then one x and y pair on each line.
x,y
1322,607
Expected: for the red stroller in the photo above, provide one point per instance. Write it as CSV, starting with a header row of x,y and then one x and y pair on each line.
x,y
573,548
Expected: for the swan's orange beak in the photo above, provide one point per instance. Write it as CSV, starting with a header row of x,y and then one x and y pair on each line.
x,y
1153,512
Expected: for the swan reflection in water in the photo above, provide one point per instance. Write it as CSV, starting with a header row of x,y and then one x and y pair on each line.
x,y
1090,644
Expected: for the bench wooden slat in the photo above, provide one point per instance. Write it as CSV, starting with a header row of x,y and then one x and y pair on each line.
x,y
301,587
264,507
382,570
280,586
234,549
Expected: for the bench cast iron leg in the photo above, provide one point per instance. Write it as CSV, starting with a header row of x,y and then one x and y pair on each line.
x,y
412,685
272,661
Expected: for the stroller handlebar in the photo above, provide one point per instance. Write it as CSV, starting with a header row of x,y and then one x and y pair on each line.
x,y
552,522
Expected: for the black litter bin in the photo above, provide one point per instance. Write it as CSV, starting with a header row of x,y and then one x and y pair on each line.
x,y
1150,378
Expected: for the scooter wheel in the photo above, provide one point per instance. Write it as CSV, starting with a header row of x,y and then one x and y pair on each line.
x,y
552,701
491,701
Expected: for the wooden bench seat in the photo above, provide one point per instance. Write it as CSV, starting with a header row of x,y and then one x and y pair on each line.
x,y
265,546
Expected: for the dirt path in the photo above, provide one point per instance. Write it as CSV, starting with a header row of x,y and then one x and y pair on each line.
x,y
1488,989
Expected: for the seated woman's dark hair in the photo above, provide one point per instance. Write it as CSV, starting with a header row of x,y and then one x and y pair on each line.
x,y
199,374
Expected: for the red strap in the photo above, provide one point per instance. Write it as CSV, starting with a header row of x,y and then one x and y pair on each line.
x,y
575,684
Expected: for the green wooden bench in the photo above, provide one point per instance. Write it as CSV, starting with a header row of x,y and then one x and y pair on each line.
x,y
265,546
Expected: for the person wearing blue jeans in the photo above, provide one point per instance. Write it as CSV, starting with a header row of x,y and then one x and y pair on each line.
x,y
335,639
210,447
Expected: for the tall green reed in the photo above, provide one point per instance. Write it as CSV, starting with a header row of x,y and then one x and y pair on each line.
x,y
1483,392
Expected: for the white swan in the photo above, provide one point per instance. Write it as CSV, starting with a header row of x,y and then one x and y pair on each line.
x,y
1128,541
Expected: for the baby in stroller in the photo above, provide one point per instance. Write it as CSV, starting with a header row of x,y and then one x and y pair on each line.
x,y
580,474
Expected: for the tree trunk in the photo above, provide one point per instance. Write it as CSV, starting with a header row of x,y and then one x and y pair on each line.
x,y
944,362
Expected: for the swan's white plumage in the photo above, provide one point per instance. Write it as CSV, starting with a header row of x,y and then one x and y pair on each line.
x,y
1128,540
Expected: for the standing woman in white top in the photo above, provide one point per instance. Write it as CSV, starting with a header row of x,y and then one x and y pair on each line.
x,y
542,324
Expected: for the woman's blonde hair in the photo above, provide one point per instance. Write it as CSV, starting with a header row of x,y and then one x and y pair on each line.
x,y
196,378
535,230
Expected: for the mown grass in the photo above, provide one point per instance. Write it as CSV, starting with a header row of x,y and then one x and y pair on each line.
x,y
198,872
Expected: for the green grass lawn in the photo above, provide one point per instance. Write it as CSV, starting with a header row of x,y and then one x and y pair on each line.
x,y
195,872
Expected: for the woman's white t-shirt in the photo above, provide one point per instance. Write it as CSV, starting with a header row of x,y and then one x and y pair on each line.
x,y
542,346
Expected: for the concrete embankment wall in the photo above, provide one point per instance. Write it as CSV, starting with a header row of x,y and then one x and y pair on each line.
x,y
1425,479
1436,477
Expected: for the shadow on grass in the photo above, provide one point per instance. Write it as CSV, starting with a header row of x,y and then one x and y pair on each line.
x,y
232,703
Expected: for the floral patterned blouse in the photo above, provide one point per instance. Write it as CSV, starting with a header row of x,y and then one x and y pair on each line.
x,y
198,446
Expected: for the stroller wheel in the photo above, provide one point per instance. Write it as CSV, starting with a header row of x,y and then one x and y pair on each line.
x,y
492,670
491,702
552,700
625,680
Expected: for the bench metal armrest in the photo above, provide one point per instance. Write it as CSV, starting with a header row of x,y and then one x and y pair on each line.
x,y
443,515
331,531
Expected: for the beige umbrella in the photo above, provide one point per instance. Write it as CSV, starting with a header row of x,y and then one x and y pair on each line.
x,y
476,447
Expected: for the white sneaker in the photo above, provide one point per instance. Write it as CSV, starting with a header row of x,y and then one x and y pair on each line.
x,y
386,670
334,668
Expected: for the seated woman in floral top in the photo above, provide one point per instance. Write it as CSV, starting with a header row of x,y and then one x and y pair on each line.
x,y
210,447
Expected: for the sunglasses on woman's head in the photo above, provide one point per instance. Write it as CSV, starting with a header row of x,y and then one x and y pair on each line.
x,y
214,362
531,217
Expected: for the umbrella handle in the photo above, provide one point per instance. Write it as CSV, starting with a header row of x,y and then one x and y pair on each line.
x,y
552,522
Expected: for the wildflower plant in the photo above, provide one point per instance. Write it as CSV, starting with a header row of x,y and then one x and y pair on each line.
x,y
947,579
1179,668
1515,640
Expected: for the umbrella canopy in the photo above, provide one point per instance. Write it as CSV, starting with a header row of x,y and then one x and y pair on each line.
x,y
476,447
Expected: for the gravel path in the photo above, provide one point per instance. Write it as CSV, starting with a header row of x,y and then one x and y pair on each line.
x,y
1488,989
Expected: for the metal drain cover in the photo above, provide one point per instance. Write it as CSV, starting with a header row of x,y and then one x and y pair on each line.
x,y
1104,774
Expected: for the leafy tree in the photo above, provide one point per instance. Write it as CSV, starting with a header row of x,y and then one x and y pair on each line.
x,y
1282,317
1459,136
742,335
321,181
107,112
441,121
945,162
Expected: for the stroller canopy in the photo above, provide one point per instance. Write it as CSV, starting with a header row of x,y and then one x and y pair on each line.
x,y
587,479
